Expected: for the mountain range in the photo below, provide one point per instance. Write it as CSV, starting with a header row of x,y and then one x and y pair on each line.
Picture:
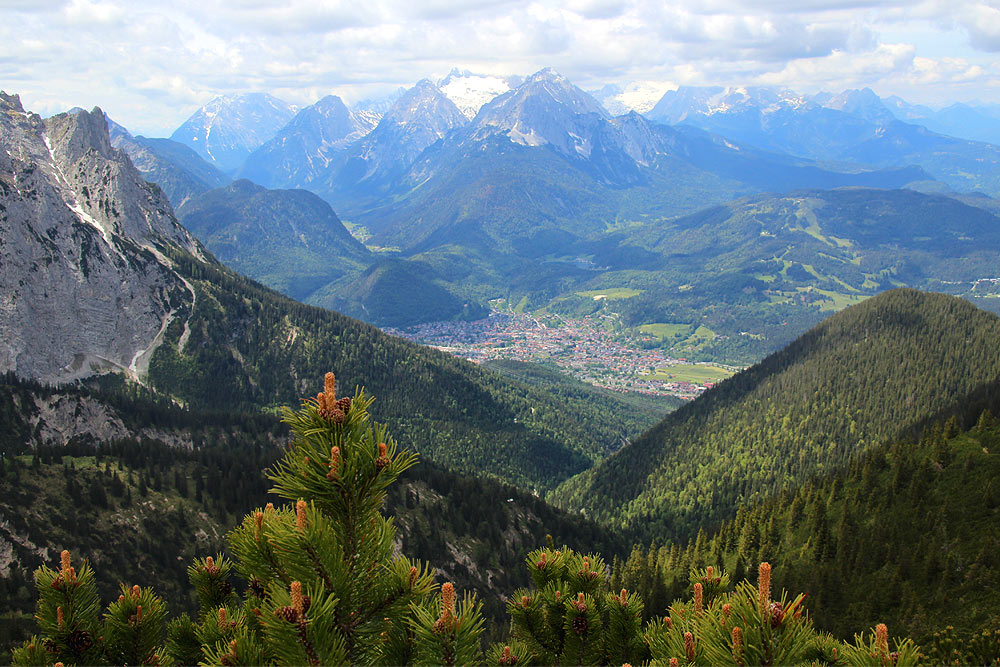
x,y
484,186
102,284
99,276
855,126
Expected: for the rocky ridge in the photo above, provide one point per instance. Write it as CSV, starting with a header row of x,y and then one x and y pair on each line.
x,y
84,285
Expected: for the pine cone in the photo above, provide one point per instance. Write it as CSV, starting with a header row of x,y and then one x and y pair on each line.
x,y
580,625
256,588
507,658
79,641
306,603
287,614
344,404
777,614
225,587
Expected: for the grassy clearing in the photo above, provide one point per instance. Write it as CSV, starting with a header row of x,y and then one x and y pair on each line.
x,y
702,333
841,301
693,373
666,330
612,293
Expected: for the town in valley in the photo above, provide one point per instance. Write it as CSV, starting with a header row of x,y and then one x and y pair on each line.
x,y
595,349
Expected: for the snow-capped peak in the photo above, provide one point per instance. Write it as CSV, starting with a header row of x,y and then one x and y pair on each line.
x,y
471,91
638,96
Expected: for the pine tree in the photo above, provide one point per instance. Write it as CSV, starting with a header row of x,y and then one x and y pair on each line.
x,y
323,584
131,632
570,617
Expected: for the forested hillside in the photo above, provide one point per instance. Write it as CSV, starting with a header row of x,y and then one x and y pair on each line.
x,y
858,379
141,510
905,535
289,239
246,348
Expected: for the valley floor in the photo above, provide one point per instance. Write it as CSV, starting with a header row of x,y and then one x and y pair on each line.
x,y
594,349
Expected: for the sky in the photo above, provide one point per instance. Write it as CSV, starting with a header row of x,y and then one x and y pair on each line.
x,y
151,64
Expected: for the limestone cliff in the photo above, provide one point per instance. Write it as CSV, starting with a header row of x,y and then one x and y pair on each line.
x,y
83,284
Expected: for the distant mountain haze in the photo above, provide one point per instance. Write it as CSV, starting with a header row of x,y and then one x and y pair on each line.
x,y
227,129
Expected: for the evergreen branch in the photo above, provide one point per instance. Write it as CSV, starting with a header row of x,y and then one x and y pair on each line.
x,y
318,566
385,604
307,645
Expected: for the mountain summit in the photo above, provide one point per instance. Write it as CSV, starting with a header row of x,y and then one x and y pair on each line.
x,y
303,149
228,128
545,109
421,117
85,285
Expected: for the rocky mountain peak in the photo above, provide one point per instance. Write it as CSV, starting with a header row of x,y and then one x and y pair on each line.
x,y
864,103
545,110
425,103
419,118
229,127
330,104
11,102
72,135
85,288
301,151
548,82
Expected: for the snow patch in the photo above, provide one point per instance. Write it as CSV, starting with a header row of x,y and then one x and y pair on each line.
x,y
639,96
529,139
470,92
73,203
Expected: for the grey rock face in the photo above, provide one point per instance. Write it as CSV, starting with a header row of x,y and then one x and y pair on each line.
x,y
302,151
227,129
422,116
548,110
83,287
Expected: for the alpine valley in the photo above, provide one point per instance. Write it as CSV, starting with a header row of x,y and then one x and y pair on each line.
x,y
164,302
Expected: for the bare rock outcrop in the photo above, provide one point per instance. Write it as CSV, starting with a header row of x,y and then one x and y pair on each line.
x,y
84,286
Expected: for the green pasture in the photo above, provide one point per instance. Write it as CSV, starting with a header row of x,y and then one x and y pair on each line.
x,y
693,373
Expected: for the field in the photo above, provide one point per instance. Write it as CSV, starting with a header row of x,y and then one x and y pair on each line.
x,y
665,330
693,373
839,299
612,293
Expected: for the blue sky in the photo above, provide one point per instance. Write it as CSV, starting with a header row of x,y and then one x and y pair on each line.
x,y
151,64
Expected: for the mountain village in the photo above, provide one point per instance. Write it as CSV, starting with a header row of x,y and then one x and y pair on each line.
x,y
591,349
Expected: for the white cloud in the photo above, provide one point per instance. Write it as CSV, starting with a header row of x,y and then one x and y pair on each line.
x,y
983,24
840,69
86,13
151,64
